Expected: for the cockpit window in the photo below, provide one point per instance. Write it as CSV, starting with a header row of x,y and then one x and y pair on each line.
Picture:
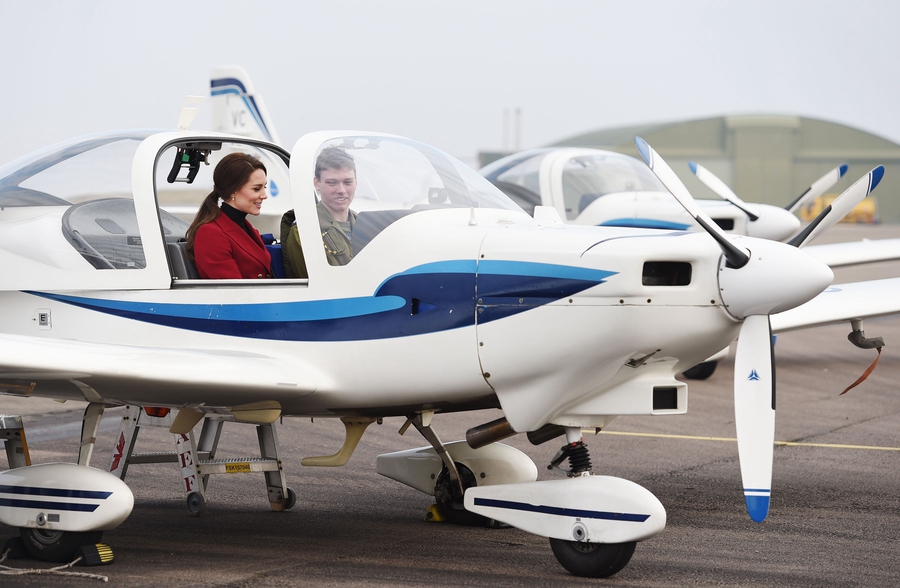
x,y
393,177
91,167
184,176
84,188
183,179
588,177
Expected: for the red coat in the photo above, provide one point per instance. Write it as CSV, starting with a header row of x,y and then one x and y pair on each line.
x,y
223,250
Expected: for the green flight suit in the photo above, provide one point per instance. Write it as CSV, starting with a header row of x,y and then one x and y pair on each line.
x,y
337,243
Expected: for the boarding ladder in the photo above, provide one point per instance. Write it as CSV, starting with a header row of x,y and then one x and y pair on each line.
x,y
12,433
197,458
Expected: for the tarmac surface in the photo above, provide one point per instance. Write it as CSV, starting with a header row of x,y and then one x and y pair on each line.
x,y
834,518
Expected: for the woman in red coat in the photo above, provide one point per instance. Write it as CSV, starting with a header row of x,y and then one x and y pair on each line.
x,y
220,240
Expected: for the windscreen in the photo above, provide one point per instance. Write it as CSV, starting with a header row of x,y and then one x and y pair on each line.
x,y
588,177
383,179
81,192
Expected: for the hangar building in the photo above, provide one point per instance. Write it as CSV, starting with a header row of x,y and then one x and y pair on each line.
x,y
763,158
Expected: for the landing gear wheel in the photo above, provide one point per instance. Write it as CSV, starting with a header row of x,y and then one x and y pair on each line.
x,y
56,546
195,503
701,371
290,499
449,500
592,560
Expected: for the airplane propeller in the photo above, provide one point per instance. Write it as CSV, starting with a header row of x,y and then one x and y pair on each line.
x,y
722,190
778,222
735,256
817,188
713,182
772,278
838,209
754,412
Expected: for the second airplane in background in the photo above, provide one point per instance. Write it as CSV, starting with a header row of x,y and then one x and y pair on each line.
x,y
604,188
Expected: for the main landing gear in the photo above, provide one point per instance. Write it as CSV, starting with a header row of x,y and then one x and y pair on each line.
x,y
452,482
60,509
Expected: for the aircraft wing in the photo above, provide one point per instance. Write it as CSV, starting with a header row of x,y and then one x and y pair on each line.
x,y
856,252
842,303
153,376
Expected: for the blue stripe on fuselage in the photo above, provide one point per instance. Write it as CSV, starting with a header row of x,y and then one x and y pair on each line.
x,y
425,299
644,223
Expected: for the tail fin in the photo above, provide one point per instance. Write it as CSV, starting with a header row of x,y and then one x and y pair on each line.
x,y
236,108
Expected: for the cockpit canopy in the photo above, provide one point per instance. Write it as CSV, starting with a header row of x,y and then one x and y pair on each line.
x,y
397,177
125,200
586,175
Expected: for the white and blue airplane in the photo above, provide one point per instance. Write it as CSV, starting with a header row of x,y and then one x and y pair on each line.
x,y
561,327
604,188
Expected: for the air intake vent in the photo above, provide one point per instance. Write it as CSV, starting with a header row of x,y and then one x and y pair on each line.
x,y
665,398
726,224
666,273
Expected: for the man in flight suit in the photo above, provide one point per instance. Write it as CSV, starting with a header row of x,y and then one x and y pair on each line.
x,y
335,182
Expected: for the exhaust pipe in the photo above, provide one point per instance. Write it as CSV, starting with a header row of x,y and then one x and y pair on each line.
x,y
546,433
489,432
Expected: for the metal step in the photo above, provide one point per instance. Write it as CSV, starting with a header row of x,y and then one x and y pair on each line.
x,y
159,457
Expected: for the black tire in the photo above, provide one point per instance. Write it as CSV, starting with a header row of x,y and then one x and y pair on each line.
x,y
592,560
196,504
56,546
290,500
701,371
449,500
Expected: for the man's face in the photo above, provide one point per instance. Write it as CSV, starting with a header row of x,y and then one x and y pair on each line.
x,y
336,187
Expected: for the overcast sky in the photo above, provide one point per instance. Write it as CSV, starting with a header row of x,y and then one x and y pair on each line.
x,y
443,72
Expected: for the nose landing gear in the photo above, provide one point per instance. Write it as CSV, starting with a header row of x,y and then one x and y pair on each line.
x,y
581,557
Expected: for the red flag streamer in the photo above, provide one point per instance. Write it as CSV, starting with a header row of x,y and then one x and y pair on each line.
x,y
865,374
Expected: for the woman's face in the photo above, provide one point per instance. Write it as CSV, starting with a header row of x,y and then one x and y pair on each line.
x,y
250,197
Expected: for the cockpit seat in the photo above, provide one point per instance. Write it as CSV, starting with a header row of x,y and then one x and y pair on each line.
x,y
182,266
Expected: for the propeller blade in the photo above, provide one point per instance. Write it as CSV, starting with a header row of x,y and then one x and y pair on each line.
x,y
754,412
713,182
735,256
817,188
838,209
